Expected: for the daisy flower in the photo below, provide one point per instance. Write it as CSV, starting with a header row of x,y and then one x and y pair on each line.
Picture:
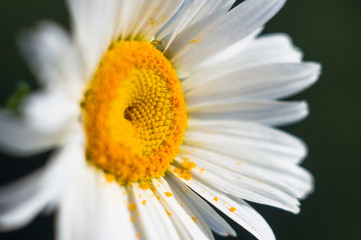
x,y
157,110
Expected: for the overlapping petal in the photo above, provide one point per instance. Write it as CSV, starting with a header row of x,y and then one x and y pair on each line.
x,y
232,80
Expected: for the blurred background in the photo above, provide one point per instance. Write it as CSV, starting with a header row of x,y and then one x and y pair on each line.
x,y
328,31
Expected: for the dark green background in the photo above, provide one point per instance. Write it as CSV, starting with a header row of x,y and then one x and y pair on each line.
x,y
328,31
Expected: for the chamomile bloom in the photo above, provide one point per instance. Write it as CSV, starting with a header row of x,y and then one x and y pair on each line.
x,y
158,109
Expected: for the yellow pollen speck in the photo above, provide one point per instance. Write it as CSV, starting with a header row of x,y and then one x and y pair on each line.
x,y
131,218
188,165
144,202
232,209
144,185
215,199
239,163
139,235
169,214
195,41
132,206
134,113
109,177
194,219
168,194
185,171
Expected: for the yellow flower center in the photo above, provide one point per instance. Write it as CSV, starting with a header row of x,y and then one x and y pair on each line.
x,y
134,113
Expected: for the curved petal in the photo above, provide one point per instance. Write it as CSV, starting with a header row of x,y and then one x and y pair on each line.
x,y
97,24
264,50
243,187
21,201
47,119
272,113
190,13
246,135
20,139
286,177
190,48
186,226
242,213
271,81
54,59
188,206
50,111
210,216
153,220
93,208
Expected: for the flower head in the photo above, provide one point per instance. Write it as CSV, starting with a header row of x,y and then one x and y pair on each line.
x,y
152,104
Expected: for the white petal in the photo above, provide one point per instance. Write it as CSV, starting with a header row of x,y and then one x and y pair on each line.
x,y
21,201
229,182
190,13
224,57
272,113
94,25
93,208
98,23
185,225
285,176
50,111
54,58
244,215
154,221
150,16
18,138
46,119
267,49
207,9
210,216
188,205
168,32
230,28
235,145
246,135
272,81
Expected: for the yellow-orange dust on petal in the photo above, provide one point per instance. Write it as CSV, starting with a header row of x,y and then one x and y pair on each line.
x,y
194,219
188,165
232,209
132,206
144,185
169,214
134,114
215,199
109,177
168,194
185,171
